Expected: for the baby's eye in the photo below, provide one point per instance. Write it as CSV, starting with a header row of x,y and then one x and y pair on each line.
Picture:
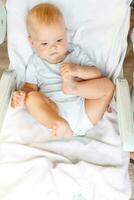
x,y
44,44
59,40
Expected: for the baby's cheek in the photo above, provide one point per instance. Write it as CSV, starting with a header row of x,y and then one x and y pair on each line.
x,y
42,54
64,48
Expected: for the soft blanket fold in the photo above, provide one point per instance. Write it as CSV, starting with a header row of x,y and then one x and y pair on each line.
x,y
33,166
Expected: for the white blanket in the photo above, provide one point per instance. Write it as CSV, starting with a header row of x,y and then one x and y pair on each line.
x,y
33,166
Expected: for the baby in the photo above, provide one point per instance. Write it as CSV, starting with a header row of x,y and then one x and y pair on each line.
x,y
63,89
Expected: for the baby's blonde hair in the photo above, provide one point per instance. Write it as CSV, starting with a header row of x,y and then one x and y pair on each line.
x,y
43,14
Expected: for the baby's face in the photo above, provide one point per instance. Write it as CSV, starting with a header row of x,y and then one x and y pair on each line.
x,y
50,42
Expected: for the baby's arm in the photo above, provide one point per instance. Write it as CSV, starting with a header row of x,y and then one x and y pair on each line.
x,y
19,97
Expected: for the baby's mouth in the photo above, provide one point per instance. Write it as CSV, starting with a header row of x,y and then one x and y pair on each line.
x,y
53,54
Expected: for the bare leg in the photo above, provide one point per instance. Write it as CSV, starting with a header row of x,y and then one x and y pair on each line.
x,y
46,112
97,93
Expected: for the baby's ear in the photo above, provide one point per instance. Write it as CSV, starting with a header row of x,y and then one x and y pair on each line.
x,y
31,41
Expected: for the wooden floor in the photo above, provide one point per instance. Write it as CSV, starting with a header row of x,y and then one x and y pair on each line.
x,y
129,61
128,70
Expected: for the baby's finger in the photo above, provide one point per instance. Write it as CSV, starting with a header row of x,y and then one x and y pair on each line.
x,y
15,95
17,101
22,96
15,98
64,70
15,92
22,93
22,99
64,65
14,104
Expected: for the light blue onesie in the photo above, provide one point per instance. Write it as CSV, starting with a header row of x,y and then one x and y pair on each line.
x,y
47,77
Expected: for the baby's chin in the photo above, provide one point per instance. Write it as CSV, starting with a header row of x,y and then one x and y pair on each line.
x,y
56,60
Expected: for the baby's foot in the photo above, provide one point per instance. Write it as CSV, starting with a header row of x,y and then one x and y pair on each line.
x,y
62,129
69,84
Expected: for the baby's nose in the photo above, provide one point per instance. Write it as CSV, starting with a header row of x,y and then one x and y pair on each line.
x,y
53,46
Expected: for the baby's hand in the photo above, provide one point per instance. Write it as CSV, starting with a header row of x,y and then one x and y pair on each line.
x,y
18,98
69,69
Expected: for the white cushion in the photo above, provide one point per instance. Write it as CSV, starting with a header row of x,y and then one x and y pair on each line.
x,y
100,27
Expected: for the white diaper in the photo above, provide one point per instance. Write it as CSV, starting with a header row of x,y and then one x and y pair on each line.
x,y
74,112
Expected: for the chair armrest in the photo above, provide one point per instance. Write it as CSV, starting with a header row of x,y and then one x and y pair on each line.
x,y
7,85
125,115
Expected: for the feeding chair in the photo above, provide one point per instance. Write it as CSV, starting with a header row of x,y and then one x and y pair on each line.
x,y
66,162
